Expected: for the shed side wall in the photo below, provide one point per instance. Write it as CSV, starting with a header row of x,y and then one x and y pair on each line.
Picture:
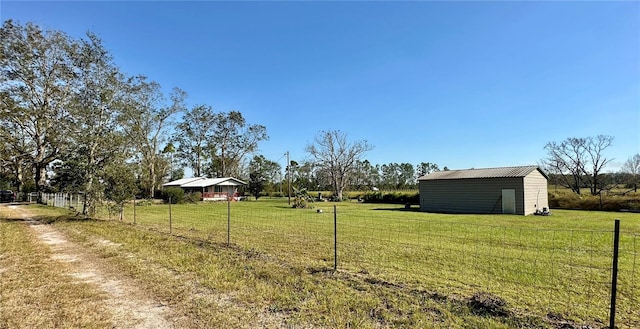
x,y
480,195
535,192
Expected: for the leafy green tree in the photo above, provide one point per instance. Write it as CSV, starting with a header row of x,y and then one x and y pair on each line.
x,y
120,184
334,153
233,139
256,183
100,98
261,173
407,175
68,176
362,175
389,173
194,135
147,121
36,85
425,168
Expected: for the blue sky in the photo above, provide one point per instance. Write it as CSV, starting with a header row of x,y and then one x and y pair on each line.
x,y
460,84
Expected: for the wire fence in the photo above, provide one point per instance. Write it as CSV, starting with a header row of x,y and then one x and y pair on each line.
x,y
551,272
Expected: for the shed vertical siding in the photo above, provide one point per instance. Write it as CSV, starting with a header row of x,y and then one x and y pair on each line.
x,y
535,192
478,195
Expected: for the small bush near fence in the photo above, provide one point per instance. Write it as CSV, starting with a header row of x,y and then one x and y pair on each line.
x,y
193,197
175,194
391,197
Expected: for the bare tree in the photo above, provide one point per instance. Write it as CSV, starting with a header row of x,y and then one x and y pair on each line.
x,y
333,152
632,167
579,162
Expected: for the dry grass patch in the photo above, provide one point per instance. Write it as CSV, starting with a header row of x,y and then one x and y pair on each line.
x,y
33,293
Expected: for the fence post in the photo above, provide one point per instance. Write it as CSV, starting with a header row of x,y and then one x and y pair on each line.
x,y
170,229
614,274
335,239
134,210
228,221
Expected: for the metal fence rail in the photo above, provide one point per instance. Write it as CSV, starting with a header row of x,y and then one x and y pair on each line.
x,y
63,200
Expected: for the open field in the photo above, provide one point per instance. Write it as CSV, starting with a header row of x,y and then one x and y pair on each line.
x,y
559,264
395,267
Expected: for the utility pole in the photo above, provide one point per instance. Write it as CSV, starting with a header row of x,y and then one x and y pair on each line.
x,y
289,178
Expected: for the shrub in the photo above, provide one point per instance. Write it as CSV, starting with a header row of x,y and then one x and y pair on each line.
x,y
392,197
193,197
175,194
559,200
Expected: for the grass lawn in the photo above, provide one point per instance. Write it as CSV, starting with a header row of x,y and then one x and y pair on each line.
x,y
558,265
396,268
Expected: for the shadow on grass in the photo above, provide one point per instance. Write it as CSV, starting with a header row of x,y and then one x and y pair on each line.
x,y
412,209
44,219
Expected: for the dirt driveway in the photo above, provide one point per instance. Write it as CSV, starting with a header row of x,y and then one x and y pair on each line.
x,y
127,303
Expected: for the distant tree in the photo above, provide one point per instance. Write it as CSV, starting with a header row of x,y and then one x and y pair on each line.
x,y
307,176
146,123
425,168
233,139
579,162
194,135
176,173
256,183
407,175
632,167
389,175
261,172
333,152
361,176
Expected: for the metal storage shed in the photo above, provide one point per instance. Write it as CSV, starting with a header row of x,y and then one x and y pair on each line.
x,y
507,190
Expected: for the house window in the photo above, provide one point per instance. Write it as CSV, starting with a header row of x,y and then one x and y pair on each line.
x,y
218,188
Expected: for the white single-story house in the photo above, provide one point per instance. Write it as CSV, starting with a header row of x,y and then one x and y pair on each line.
x,y
507,190
212,189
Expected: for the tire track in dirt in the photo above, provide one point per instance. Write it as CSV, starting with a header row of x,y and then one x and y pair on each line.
x,y
129,306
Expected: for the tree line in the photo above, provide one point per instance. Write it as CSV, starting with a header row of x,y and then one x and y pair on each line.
x,y
579,163
310,175
72,121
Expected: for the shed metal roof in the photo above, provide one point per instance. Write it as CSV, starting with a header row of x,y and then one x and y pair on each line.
x,y
503,172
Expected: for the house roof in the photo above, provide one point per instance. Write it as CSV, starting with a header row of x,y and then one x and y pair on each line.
x,y
182,181
227,181
502,172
